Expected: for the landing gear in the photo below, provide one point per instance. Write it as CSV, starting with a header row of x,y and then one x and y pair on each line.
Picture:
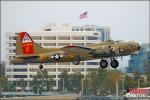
x,y
41,67
114,63
103,63
76,60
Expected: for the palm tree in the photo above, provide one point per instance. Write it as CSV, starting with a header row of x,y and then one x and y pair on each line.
x,y
35,85
22,84
129,82
4,83
77,81
41,80
49,83
147,66
64,77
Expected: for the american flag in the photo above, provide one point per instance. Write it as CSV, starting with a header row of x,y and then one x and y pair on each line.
x,y
83,15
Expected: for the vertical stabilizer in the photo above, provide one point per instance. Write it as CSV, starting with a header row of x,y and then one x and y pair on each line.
x,y
25,45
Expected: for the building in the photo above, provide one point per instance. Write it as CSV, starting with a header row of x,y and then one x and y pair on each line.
x,y
53,36
137,61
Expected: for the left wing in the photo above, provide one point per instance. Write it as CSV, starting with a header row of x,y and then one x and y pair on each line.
x,y
77,49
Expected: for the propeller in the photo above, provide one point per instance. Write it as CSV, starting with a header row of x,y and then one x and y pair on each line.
x,y
139,47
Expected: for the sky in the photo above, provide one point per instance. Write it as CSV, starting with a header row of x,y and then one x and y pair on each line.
x,y
129,20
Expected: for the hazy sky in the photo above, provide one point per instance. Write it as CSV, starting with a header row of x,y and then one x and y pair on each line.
x,y
129,20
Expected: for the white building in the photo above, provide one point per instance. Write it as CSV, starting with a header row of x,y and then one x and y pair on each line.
x,y
52,37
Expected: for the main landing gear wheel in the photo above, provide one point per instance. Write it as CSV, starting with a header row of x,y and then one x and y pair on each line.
x,y
76,60
114,63
41,66
103,63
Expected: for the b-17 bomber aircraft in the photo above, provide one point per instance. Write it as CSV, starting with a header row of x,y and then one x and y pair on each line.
x,y
27,51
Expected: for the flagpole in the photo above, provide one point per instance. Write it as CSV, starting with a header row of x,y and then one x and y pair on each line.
x,y
87,19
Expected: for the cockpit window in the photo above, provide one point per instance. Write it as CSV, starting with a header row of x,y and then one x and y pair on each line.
x,y
115,42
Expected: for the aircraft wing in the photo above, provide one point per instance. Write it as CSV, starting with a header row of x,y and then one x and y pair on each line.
x,y
87,51
101,53
76,49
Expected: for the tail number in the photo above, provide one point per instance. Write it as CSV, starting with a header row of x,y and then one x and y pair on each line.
x,y
28,48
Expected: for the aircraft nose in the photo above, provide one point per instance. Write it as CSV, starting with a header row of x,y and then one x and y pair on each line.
x,y
138,46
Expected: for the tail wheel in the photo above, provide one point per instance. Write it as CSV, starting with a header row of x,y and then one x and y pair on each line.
x,y
103,63
114,63
41,66
76,60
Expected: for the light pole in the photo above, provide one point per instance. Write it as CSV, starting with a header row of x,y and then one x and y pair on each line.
x,y
82,88
123,82
28,87
139,83
28,84
63,85
123,85
117,89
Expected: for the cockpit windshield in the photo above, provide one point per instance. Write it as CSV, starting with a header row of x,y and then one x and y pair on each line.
x,y
115,42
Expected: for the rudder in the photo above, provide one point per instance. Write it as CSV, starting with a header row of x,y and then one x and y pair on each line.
x,y
25,45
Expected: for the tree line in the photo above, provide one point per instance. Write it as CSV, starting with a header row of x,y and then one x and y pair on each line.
x,y
98,82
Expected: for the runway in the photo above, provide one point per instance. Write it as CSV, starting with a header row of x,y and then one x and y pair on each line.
x,y
61,97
